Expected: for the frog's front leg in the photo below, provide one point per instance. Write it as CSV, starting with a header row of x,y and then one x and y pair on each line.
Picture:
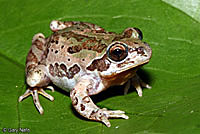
x,y
85,106
138,83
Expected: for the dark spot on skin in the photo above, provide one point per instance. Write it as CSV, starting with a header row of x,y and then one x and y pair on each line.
x,y
87,90
135,42
128,33
83,59
30,67
56,69
51,50
62,46
130,50
63,67
89,43
68,59
41,36
56,42
44,56
73,71
86,99
31,57
38,44
99,64
51,69
59,23
74,90
75,101
82,107
74,49
140,50
56,51
93,114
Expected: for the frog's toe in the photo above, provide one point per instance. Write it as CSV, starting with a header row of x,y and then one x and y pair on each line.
x,y
111,114
37,102
26,94
117,114
42,92
34,92
106,121
145,85
51,88
139,91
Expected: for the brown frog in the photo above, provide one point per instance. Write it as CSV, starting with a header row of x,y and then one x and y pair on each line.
x,y
84,59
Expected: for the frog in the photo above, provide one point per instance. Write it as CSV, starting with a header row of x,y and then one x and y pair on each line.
x,y
84,59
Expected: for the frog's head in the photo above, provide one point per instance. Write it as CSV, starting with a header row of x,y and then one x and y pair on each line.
x,y
124,56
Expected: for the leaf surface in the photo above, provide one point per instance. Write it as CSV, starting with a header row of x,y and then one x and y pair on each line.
x,y
172,29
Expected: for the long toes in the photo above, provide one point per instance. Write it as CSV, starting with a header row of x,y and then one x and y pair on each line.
x,y
51,88
37,102
148,86
139,92
106,121
117,114
26,94
42,92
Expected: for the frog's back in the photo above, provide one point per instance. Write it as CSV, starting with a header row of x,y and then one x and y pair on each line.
x,y
73,49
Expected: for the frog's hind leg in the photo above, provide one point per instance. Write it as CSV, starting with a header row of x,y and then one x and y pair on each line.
x,y
85,106
137,83
36,52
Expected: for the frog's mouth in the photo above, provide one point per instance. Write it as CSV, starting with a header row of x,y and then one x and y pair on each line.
x,y
132,67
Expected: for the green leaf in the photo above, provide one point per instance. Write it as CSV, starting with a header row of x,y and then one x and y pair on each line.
x,y
171,28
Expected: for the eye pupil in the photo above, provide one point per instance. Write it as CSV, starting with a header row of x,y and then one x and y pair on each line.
x,y
117,52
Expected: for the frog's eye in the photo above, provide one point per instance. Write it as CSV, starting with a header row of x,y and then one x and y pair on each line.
x,y
117,51
133,33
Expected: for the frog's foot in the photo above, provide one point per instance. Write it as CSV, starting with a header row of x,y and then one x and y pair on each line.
x,y
137,83
34,92
103,115
85,106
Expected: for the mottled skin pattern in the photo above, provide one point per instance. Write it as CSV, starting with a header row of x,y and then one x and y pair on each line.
x,y
84,59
